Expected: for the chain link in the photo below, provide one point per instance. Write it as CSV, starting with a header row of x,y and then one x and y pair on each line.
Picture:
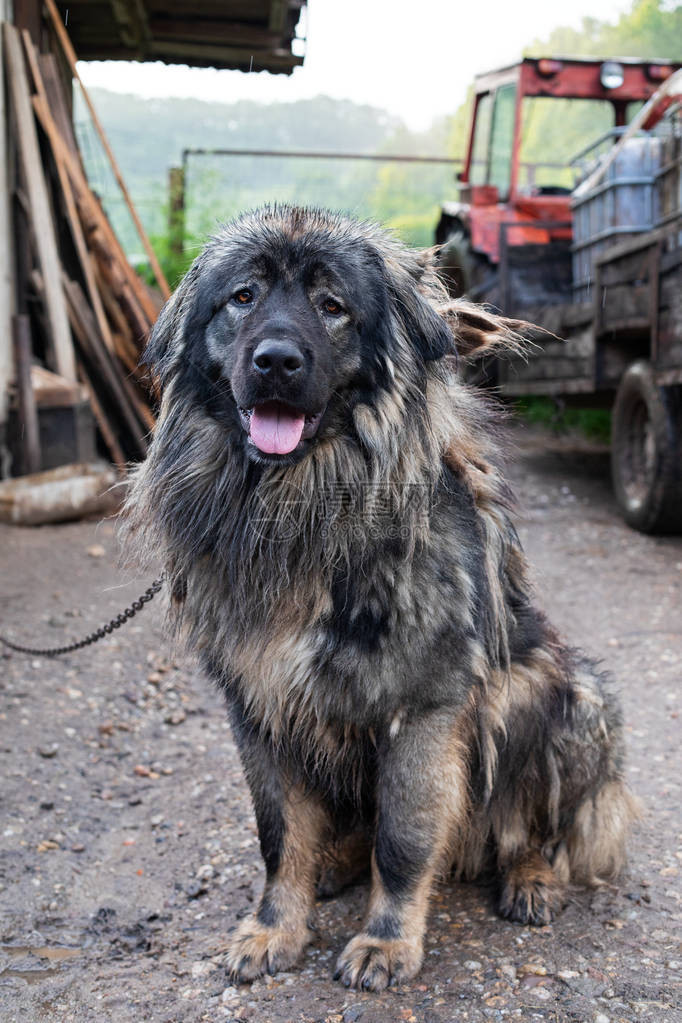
x,y
94,637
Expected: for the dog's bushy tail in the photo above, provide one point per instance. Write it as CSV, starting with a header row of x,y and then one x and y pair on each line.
x,y
595,845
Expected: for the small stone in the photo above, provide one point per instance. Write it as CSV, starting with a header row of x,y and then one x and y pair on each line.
x,y
48,751
536,969
601,1018
142,770
154,677
106,728
96,551
176,717
229,996
195,889
472,964
47,845
205,872
78,847
156,820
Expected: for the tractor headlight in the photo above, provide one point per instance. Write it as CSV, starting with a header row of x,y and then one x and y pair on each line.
x,y
611,75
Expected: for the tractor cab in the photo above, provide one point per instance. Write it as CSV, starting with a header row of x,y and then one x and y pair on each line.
x,y
529,122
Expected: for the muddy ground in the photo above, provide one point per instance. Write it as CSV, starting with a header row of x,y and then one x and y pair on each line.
x,y
128,847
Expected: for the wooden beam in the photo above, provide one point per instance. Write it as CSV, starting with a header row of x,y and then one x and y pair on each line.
x,y
101,237
28,15
41,215
131,19
176,210
231,56
41,108
58,100
102,420
26,403
70,55
6,248
108,373
213,30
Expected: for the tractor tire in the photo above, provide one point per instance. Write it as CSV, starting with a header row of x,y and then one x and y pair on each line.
x,y
646,451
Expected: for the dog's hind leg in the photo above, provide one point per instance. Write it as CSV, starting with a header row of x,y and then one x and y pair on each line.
x,y
422,797
531,889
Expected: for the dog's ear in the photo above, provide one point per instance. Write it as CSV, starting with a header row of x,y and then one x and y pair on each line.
x,y
477,332
409,282
430,333
166,340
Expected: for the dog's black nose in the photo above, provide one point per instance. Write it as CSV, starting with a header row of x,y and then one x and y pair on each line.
x,y
277,358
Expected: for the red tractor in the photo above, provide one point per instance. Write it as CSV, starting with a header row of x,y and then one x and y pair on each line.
x,y
570,217
529,121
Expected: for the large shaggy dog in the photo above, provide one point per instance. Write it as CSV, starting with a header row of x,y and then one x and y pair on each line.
x,y
325,496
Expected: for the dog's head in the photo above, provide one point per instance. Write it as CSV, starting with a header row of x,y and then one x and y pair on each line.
x,y
288,320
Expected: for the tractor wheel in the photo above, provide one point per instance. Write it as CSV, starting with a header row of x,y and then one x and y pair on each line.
x,y
646,451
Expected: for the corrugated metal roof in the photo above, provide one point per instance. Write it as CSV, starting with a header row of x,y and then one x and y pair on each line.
x,y
249,35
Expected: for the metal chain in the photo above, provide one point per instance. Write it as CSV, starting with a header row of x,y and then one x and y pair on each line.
x,y
94,637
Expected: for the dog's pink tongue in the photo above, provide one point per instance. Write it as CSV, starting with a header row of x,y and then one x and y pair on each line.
x,y
276,429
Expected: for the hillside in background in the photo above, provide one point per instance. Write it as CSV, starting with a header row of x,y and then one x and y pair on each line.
x,y
148,137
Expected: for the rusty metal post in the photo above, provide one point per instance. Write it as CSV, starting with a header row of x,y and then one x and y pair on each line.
x,y
176,210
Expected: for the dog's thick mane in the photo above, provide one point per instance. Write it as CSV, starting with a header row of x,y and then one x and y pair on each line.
x,y
198,504
196,501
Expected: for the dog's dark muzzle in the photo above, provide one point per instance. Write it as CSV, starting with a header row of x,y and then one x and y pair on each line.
x,y
279,406
279,362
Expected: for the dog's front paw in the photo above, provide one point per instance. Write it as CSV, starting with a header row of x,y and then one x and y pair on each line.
x,y
257,949
372,964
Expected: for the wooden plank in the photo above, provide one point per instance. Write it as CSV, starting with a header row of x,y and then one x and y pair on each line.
x,y
26,403
108,373
6,252
57,102
176,210
101,237
50,128
669,376
624,302
41,216
53,391
105,427
70,55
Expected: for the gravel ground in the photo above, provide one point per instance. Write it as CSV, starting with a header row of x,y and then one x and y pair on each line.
x,y
128,847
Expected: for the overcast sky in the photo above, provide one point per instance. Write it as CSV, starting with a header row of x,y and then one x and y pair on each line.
x,y
414,59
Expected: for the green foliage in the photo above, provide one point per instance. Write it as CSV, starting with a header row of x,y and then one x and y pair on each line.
x,y
557,129
594,423
148,137
651,28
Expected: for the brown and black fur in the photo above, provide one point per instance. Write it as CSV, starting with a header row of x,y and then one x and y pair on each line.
x,y
399,703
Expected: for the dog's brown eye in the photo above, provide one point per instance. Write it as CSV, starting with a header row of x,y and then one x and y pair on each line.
x,y
243,296
332,307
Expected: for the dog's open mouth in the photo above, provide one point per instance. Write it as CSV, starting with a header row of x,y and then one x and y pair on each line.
x,y
276,428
